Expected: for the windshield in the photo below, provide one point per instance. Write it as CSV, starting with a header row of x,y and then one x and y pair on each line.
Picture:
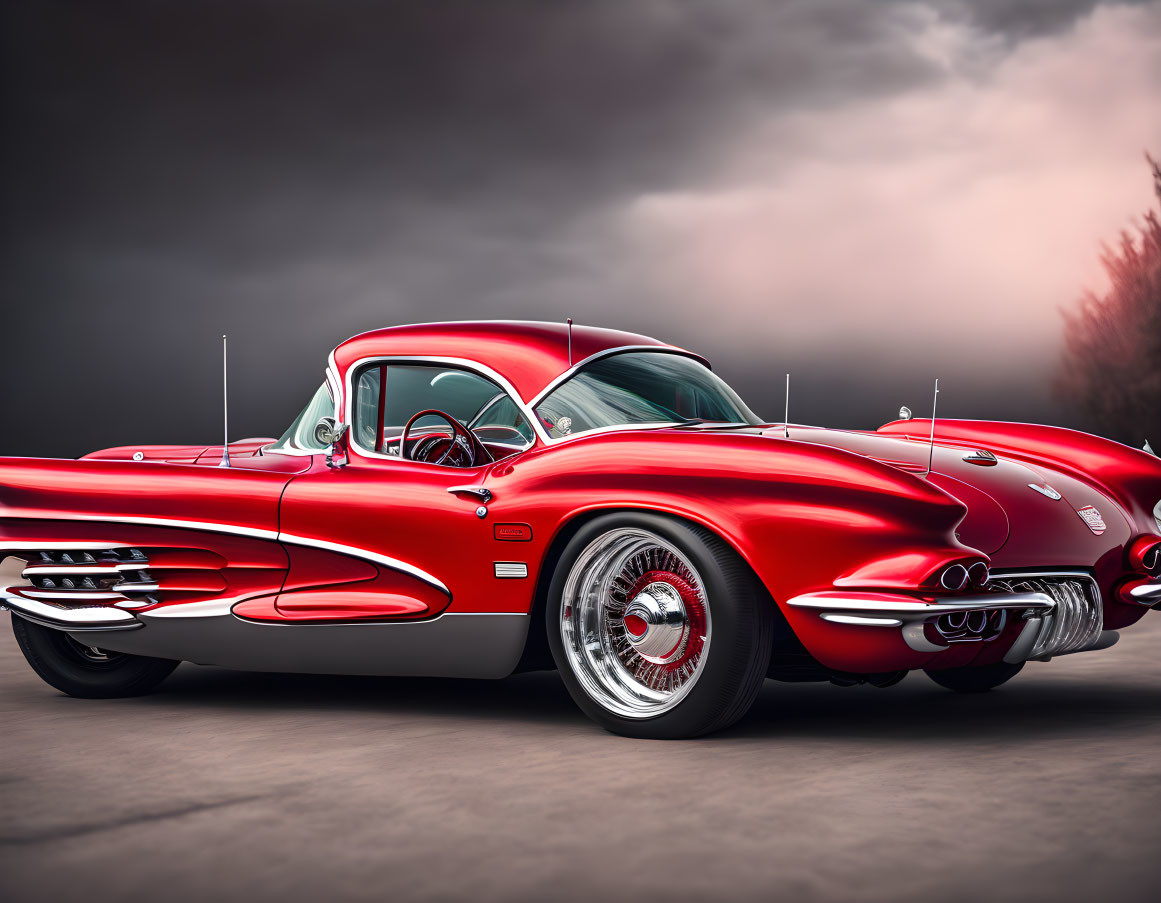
x,y
299,436
640,387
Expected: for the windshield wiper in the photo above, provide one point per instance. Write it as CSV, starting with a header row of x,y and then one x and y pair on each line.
x,y
715,424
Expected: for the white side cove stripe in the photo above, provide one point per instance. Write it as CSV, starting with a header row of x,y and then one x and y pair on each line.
x,y
125,519
206,609
391,563
511,569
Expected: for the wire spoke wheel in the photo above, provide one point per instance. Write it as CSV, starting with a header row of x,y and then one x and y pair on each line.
x,y
635,623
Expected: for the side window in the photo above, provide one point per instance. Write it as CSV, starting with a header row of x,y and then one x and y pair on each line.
x,y
388,395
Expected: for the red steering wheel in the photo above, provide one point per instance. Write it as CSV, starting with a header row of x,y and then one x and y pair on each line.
x,y
461,438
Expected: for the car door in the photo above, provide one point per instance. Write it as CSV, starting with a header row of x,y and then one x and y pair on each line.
x,y
384,537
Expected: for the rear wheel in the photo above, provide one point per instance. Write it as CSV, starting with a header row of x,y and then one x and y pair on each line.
x,y
87,671
977,679
658,628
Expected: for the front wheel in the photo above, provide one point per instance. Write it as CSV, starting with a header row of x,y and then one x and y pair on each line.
x,y
87,671
975,679
658,628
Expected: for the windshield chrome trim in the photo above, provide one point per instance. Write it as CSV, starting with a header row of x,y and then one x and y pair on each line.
x,y
462,363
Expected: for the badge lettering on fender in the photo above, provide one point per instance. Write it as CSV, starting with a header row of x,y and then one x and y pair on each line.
x,y
1093,518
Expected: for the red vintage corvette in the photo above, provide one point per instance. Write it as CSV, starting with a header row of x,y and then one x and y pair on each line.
x,y
472,499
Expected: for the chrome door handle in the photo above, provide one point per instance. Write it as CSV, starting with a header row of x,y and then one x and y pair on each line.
x,y
477,492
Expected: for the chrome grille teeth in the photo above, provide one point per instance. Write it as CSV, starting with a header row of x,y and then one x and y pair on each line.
x,y
73,576
1078,618
121,576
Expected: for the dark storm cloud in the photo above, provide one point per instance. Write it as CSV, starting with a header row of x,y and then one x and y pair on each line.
x,y
294,172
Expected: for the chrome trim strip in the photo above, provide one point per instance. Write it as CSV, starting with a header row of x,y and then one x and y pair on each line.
x,y
909,610
70,595
861,619
91,618
393,563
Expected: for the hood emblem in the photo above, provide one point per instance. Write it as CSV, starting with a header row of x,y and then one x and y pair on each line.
x,y
1046,490
1093,518
981,457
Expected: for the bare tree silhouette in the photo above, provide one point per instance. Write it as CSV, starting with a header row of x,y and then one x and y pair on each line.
x,y
1111,364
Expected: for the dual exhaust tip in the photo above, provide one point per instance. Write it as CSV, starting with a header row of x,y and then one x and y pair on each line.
x,y
956,577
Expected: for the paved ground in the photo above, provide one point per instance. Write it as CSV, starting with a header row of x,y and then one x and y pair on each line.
x,y
230,786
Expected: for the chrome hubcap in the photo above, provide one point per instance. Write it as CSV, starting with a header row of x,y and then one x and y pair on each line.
x,y
635,623
655,623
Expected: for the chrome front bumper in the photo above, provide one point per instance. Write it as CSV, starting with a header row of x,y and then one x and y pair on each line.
x,y
74,619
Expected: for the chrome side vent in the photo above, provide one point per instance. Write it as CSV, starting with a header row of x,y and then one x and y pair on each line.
x,y
124,577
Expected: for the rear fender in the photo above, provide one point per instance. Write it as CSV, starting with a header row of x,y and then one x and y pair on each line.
x,y
1130,476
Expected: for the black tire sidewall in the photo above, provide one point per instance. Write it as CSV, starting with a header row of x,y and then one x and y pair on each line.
x,y
975,679
735,608
59,665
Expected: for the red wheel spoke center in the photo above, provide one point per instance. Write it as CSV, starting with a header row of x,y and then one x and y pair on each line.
x,y
664,620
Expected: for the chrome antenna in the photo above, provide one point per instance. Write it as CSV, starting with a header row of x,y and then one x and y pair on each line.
x,y
786,415
225,411
570,341
931,442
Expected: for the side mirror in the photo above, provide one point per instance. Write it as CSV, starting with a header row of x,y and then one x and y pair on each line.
x,y
905,413
328,431
331,433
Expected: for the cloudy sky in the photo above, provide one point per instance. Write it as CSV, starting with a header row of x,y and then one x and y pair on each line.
x,y
867,194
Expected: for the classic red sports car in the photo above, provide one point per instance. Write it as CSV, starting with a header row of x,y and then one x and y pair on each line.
x,y
473,499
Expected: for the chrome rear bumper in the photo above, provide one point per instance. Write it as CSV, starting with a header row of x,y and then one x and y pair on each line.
x,y
912,615
1062,612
